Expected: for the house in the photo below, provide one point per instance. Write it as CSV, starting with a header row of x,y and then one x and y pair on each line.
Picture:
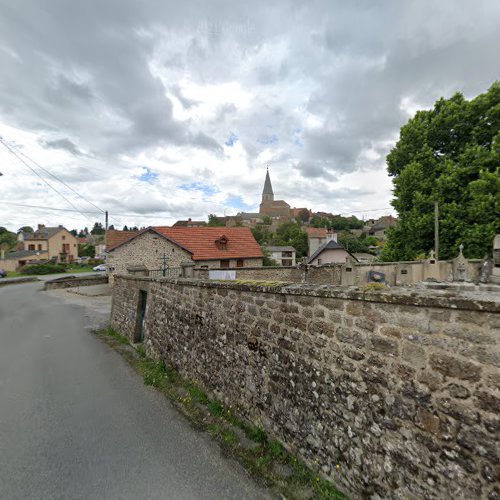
x,y
213,247
14,260
379,227
318,236
284,256
330,252
59,244
190,223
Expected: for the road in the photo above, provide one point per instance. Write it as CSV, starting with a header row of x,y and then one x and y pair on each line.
x,y
76,422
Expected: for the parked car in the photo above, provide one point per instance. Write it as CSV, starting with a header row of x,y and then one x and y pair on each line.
x,y
100,267
3,273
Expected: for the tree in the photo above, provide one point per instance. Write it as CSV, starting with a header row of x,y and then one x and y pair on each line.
x,y
74,232
291,233
214,221
267,220
304,215
86,250
26,229
97,229
8,239
261,234
125,228
449,154
111,227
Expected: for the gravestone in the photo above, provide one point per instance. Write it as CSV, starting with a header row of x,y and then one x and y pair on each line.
x,y
460,266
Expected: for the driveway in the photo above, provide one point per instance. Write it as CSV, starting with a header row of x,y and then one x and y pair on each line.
x,y
76,422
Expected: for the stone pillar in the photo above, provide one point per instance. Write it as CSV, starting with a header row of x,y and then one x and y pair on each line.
x,y
187,269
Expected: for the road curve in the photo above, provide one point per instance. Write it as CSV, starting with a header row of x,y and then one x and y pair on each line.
x,y
76,422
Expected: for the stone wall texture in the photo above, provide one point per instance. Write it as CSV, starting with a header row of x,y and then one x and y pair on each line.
x,y
147,250
387,394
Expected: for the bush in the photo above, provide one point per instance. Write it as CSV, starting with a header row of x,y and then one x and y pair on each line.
x,y
43,269
95,262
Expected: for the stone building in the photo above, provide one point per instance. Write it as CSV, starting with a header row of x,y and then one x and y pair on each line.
x,y
213,247
271,207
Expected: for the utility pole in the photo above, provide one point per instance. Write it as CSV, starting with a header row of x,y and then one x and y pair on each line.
x,y
106,224
436,230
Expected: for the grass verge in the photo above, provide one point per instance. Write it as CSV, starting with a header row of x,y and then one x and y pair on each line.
x,y
266,459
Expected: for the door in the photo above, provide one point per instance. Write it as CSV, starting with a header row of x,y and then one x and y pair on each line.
x,y
143,300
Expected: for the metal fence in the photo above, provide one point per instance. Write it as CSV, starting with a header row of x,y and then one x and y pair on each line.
x,y
168,272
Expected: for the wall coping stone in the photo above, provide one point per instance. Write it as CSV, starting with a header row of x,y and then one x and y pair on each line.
x,y
470,301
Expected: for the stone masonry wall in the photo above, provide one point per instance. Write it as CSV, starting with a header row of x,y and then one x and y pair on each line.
x,y
389,394
148,250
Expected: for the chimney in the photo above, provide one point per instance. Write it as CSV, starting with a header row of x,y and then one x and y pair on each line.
x,y
331,235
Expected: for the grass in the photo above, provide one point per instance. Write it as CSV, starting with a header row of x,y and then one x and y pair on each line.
x,y
264,458
69,270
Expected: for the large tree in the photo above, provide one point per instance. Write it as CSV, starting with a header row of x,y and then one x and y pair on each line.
x,y
450,154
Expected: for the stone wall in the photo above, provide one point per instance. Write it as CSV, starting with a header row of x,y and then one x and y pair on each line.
x,y
392,394
352,273
73,281
275,273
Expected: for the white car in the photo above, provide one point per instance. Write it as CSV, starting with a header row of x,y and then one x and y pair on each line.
x,y
100,267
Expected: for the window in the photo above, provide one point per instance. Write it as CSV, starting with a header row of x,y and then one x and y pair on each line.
x,y
39,247
319,262
224,263
286,254
63,237
239,263
31,247
286,262
221,243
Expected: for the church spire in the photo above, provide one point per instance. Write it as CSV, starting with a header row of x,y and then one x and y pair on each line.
x,y
268,193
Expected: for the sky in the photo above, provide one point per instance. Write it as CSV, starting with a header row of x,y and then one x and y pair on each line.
x,y
162,110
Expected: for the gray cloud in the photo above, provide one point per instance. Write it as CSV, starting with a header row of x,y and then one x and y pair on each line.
x,y
319,83
64,144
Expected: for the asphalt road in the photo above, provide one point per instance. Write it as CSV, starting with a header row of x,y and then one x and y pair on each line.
x,y
76,422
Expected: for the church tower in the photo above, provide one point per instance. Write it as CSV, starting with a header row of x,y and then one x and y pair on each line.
x,y
267,193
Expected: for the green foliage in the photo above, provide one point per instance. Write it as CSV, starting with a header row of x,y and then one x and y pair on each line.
x,y
262,234
8,240
266,220
86,250
268,260
304,215
43,269
450,154
26,229
292,233
337,222
97,229
354,244
214,221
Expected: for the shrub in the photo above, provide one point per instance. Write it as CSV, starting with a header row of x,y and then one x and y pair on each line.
x,y
43,269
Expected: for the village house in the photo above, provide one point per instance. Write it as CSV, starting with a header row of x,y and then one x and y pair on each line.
x,y
212,247
330,252
190,223
59,244
318,236
283,255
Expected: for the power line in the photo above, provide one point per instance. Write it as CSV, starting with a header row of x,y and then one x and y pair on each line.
x,y
21,153
12,151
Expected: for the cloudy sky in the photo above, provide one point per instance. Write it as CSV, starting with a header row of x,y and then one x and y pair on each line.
x,y
159,110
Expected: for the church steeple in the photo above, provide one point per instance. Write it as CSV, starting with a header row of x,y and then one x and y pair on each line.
x,y
267,193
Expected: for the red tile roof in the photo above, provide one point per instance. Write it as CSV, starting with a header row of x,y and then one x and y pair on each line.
x,y
316,232
114,237
200,241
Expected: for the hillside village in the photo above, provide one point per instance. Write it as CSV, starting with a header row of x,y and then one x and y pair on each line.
x,y
286,236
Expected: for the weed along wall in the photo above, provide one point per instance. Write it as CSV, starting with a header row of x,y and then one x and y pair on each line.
x,y
385,393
